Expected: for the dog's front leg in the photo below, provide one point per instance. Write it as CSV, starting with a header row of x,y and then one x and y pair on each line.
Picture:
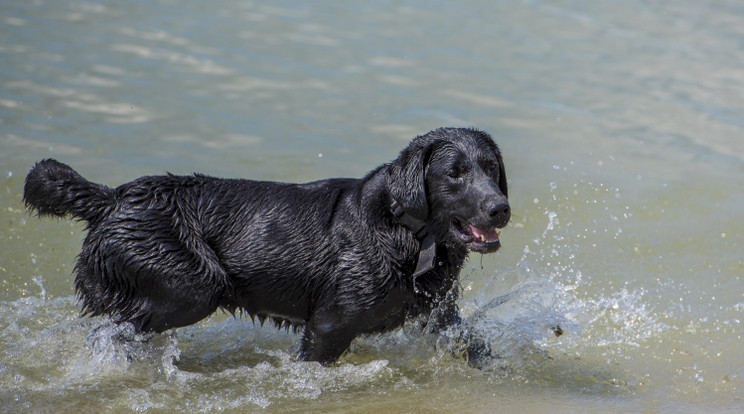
x,y
445,318
477,350
325,339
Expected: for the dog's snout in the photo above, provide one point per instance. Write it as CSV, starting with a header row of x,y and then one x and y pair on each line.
x,y
499,211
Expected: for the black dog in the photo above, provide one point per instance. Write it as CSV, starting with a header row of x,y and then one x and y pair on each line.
x,y
339,258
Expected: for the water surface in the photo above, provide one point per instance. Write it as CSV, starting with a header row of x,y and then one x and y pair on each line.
x,y
622,129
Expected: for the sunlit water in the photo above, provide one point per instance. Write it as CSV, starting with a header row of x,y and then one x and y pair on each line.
x,y
622,128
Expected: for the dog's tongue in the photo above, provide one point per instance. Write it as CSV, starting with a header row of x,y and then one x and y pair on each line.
x,y
491,235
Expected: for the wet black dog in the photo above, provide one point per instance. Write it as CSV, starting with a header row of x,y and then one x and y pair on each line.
x,y
339,257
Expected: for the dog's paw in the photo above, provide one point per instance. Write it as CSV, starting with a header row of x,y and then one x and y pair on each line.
x,y
478,353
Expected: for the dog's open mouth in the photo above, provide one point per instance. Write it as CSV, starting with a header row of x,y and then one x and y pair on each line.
x,y
477,239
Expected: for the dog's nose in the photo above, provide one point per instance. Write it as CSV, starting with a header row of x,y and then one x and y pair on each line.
x,y
499,212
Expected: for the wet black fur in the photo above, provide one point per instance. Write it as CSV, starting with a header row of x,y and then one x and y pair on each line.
x,y
328,256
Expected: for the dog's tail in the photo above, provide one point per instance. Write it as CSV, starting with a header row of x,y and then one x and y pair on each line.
x,y
55,189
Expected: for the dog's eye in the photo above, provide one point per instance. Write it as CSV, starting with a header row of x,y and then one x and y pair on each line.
x,y
455,170
491,165
458,169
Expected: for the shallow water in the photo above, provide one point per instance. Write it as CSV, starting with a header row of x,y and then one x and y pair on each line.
x,y
622,130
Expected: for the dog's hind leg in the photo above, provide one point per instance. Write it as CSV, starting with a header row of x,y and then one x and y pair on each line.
x,y
189,290
151,279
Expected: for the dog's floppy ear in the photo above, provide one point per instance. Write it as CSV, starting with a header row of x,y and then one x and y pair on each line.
x,y
406,178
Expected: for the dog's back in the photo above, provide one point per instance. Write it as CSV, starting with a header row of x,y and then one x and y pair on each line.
x,y
167,251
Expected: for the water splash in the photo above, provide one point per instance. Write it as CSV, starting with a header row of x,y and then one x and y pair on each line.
x,y
551,286
39,280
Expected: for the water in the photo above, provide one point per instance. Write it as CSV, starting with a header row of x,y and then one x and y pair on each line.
x,y
622,130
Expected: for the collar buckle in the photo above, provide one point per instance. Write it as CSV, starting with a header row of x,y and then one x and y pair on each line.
x,y
428,247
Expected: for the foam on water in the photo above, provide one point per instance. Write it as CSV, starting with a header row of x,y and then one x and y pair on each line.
x,y
70,355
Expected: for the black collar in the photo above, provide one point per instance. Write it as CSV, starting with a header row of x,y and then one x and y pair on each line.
x,y
428,250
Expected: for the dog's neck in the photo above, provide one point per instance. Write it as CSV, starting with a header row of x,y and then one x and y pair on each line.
x,y
428,249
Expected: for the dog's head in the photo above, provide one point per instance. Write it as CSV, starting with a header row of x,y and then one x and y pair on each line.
x,y
454,180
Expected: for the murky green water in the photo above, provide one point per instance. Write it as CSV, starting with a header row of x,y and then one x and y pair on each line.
x,y
622,127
